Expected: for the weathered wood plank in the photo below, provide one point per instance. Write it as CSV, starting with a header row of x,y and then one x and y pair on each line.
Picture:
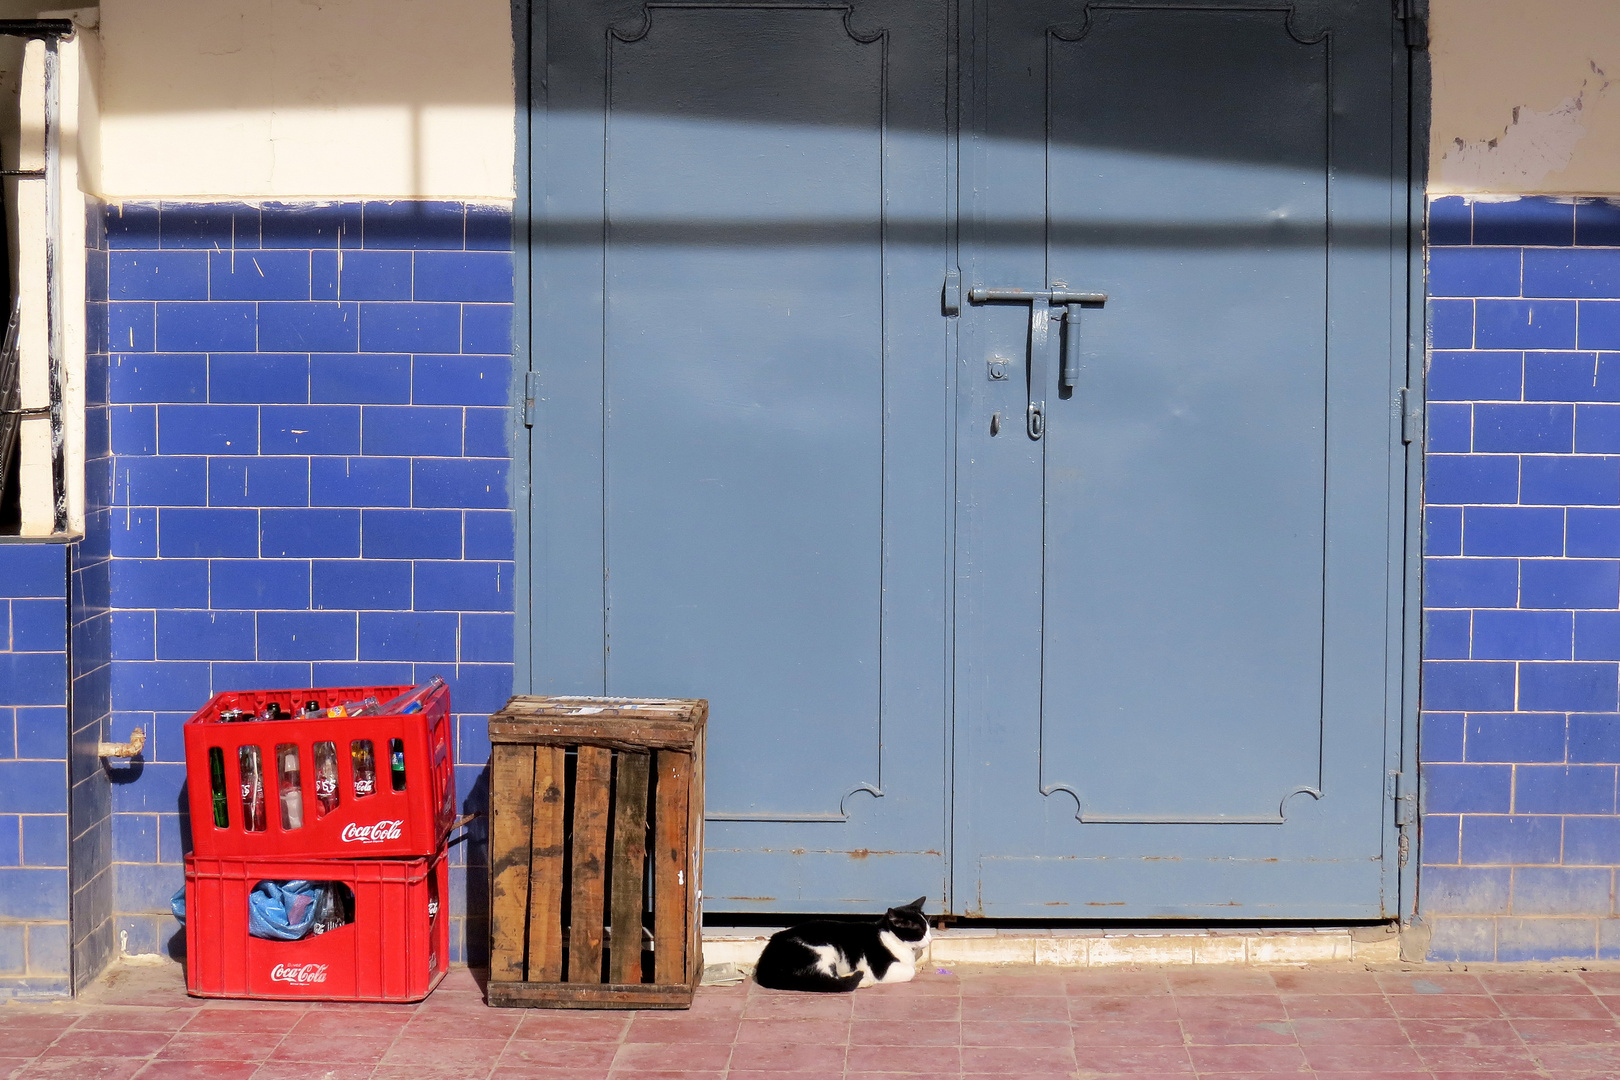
x,y
694,858
629,865
613,734
511,806
592,777
602,996
670,838
546,867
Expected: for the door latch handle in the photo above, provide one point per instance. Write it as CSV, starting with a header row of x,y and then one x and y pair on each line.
x,y
1044,306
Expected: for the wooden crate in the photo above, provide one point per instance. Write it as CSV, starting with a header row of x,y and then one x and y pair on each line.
x,y
588,797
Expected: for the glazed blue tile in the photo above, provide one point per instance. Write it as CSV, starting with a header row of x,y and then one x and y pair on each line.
x,y
487,433
415,225
1564,789
1524,429
1440,737
1447,634
1559,376
1475,271
489,228
1468,789
1597,222
258,481
39,624
362,584
1557,890
360,378
1451,221
1472,478
132,430
410,327
1451,324
1600,324
159,583
475,483
1503,840
411,534
487,638
33,678
1569,687
277,675
306,225
161,684
323,275
197,533
1597,429
1594,738
307,635
417,636
475,688
208,429
215,226
489,534
311,429
45,840
206,327
463,586
133,225
135,838
258,378
1442,530
470,277
1470,685
1570,481
462,380
158,275
487,328
1569,583
132,327
1470,375
1528,221
33,570
34,893
411,431
315,326
1591,841
42,732
158,378
1513,530
359,481
1442,839
1571,272
132,636
1523,635
320,533
258,584
257,275
1597,635
368,673
1525,324
205,635
1449,428
375,275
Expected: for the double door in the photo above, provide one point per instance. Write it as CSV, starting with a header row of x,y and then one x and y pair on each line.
x,y
988,407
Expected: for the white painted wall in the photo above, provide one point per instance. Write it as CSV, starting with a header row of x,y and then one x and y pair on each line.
x,y
306,99
1526,96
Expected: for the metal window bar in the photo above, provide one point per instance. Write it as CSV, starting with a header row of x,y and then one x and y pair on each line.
x,y
51,32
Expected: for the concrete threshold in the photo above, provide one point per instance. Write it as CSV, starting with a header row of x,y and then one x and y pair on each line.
x,y
1291,947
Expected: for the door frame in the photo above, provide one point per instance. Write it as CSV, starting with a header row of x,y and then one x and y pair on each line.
x,y
1412,108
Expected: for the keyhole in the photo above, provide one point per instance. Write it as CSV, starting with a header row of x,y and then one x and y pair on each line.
x,y
995,423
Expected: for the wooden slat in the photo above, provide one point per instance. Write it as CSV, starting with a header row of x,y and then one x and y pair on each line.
x,y
592,775
669,865
603,996
609,733
511,808
629,864
694,861
546,867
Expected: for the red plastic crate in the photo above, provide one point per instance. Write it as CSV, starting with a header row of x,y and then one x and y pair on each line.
x,y
383,824
397,948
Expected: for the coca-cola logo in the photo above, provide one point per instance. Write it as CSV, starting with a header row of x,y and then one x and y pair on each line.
x,y
372,834
298,974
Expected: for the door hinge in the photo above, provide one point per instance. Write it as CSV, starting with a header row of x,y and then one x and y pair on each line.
x,y
1405,801
531,394
1411,417
1414,23
951,299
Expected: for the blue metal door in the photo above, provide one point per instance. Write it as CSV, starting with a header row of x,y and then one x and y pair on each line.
x,y
1141,665
1178,624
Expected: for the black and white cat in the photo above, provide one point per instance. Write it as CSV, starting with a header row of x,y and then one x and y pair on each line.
x,y
833,957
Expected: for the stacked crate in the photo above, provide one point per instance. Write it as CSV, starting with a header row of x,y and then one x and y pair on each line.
x,y
386,845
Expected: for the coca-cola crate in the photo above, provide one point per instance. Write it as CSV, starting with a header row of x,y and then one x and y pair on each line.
x,y
396,949
352,821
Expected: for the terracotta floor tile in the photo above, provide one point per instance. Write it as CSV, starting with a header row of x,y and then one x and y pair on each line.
x,y
768,1074
129,1019
782,1004
1034,984
1005,1009
789,1057
489,1024
1467,1032
1553,1007
876,1007
1429,983
1594,1058
22,1018
345,1049
264,1021
1239,1032
221,1045
1116,983
1353,1032
325,1022
1339,1005
476,1055
665,1074
1478,1058
1087,1033
304,1070
1603,982
198,1070
950,1075
1224,1059
1231,1007
865,1032
671,1056
1533,982
1125,1009
1532,1075
1325,982
567,1025
25,1044
1360,1057
518,1072
133,1044
74,1069
1017,1059
556,1055
1443,1006
1567,1031
1220,981
1016,1033
878,1059
1126,1059
665,1027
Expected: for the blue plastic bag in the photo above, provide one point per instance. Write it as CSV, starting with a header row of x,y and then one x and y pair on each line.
x,y
282,910
177,904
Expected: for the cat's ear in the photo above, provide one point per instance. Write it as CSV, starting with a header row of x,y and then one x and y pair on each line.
x,y
918,903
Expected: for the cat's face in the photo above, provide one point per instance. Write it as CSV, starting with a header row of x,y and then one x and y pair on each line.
x,y
909,924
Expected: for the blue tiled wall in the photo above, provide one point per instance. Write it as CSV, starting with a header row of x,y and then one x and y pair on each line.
x,y
1520,733
33,768
309,431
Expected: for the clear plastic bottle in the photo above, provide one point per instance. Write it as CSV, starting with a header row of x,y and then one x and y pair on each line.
x,y
363,758
326,778
413,700
252,769
291,785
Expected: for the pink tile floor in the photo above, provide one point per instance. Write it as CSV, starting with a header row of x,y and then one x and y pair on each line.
x,y
1022,1024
